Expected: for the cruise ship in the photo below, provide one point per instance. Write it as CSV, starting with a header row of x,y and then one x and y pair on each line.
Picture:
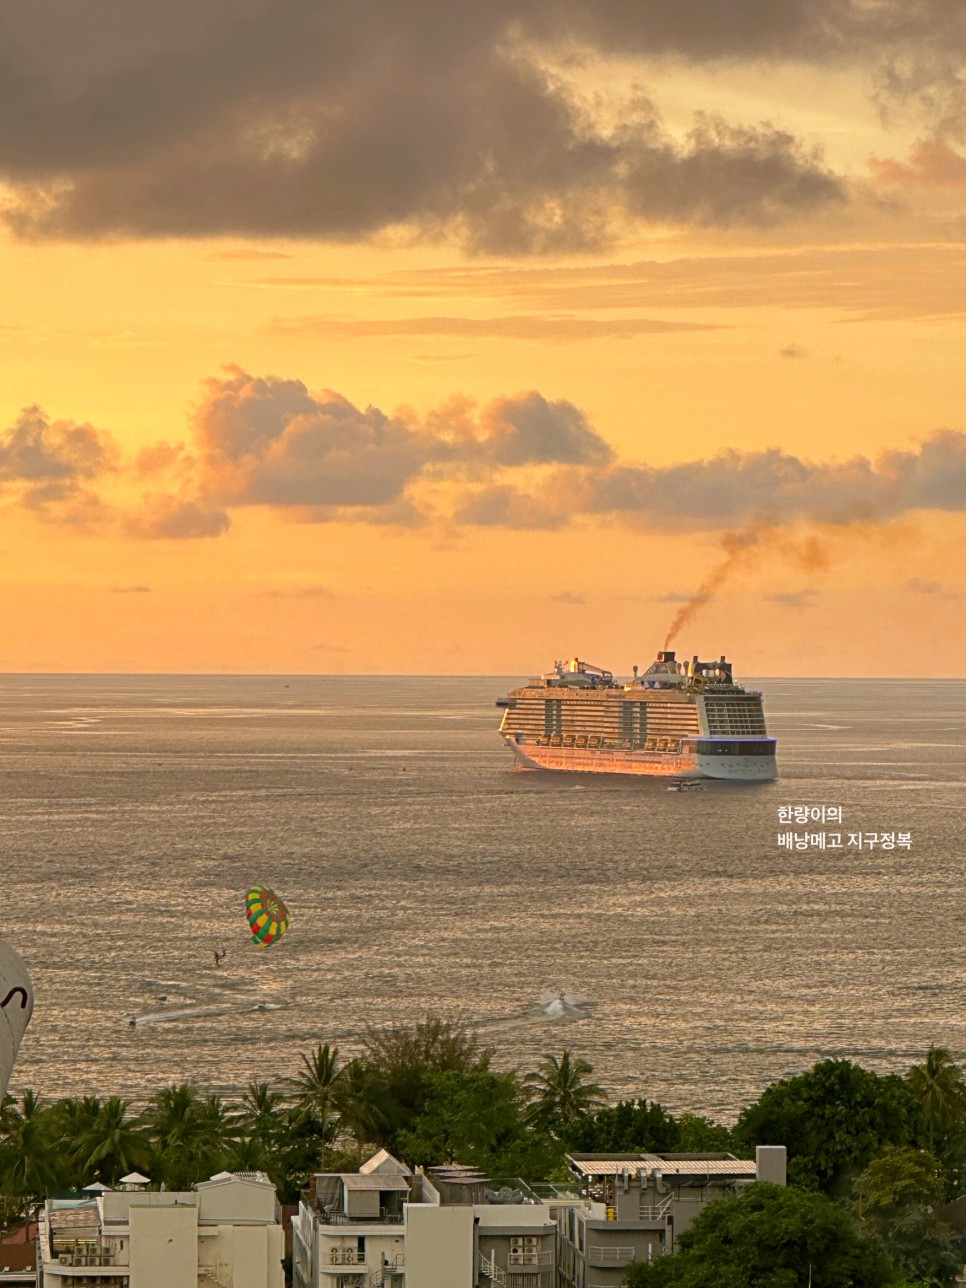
x,y
678,719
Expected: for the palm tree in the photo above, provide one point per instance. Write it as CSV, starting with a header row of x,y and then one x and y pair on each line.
x,y
561,1094
359,1098
260,1107
113,1143
30,1164
940,1088
317,1084
74,1116
191,1135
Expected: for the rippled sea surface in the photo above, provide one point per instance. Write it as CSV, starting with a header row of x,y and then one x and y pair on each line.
x,y
425,875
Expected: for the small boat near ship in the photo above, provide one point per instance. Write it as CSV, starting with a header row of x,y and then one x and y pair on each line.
x,y
682,720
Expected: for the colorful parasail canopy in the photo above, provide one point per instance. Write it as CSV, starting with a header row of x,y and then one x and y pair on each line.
x,y
268,916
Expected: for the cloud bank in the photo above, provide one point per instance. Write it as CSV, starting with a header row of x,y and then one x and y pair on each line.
x,y
519,462
302,120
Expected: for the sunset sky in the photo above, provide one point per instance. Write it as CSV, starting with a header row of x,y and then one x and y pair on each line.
x,y
440,337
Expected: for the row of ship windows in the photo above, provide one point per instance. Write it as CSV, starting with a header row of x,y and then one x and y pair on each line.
x,y
594,741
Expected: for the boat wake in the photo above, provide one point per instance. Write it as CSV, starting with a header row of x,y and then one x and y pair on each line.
x,y
549,1008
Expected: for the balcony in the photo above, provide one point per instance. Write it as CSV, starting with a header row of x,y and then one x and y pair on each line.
x,y
329,1215
601,1257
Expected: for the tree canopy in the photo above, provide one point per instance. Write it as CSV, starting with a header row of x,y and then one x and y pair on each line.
x,y
770,1236
834,1120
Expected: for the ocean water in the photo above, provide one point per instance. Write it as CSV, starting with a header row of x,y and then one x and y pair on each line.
x,y
424,875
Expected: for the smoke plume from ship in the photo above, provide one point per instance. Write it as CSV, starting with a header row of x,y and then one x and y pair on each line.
x,y
810,553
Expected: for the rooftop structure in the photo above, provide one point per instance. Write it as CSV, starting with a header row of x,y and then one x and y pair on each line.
x,y
639,1204
225,1231
449,1227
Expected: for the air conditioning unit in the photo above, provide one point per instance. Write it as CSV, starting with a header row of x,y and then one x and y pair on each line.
x,y
65,1259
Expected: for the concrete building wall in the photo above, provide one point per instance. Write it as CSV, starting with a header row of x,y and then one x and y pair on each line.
x,y
164,1246
440,1247
771,1163
515,1215
254,1249
225,1202
115,1204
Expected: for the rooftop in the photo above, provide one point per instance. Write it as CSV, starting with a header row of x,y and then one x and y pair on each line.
x,y
646,1165
355,1181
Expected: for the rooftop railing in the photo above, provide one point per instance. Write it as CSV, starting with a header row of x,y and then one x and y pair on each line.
x,y
603,1256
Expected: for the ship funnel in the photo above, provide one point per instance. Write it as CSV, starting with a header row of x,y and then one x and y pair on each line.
x,y
667,655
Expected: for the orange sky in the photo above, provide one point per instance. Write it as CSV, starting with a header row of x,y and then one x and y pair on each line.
x,y
474,345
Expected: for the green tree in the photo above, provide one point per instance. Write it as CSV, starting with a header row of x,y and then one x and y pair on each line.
x,y
477,1117
698,1135
30,1162
110,1144
833,1119
561,1095
895,1198
261,1106
392,1073
316,1086
192,1136
940,1089
627,1127
357,1102
71,1118
770,1237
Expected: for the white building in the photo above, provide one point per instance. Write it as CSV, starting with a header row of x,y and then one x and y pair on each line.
x,y
224,1233
385,1227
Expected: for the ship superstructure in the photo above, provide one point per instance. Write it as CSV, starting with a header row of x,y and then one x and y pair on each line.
x,y
677,718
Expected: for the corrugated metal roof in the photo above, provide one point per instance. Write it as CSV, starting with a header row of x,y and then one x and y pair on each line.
x,y
81,1217
711,1166
353,1181
379,1161
668,1166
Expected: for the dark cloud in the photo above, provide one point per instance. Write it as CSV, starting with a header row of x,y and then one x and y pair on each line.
x,y
268,441
727,175
529,429
793,351
922,586
49,466
735,488
522,461
567,597
857,282
246,253
300,592
508,507
934,478
41,453
793,598
298,119
175,518
542,327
